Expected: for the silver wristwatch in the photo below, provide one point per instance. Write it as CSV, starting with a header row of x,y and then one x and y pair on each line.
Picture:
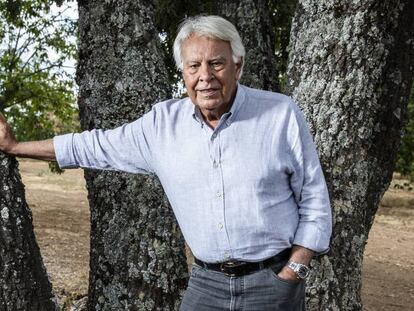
x,y
301,270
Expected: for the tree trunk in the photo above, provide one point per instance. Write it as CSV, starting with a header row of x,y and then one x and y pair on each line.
x,y
351,69
24,284
253,21
137,251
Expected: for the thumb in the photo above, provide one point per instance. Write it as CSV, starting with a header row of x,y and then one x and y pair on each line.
x,y
2,118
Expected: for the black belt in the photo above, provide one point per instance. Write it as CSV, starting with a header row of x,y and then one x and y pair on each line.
x,y
240,268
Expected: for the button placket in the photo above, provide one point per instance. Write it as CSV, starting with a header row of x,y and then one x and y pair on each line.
x,y
218,173
215,155
218,199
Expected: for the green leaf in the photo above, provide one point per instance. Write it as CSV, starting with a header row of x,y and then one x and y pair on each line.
x,y
37,93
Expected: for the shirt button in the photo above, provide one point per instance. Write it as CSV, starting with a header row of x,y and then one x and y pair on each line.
x,y
218,194
214,135
220,225
227,255
215,164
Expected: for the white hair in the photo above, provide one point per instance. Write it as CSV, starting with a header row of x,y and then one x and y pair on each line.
x,y
211,26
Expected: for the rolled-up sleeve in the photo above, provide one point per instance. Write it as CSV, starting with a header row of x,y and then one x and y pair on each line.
x,y
309,188
126,148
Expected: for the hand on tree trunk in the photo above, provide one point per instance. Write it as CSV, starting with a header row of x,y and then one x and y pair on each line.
x,y
7,139
41,150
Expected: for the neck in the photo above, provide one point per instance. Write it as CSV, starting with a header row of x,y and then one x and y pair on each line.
x,y
212,117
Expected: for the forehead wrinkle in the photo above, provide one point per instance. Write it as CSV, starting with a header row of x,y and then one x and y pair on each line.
x,y
197,52
196,59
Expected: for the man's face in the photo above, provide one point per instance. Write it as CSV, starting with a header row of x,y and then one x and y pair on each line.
x,y
210,74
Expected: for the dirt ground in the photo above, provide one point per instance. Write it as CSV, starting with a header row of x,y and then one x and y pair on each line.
x,y
61,221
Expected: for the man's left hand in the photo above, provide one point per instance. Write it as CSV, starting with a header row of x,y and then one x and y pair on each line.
x,y
288,275
299,254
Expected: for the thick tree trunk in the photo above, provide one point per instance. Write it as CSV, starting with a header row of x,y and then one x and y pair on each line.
x,y
137,251
351,69
24,284
253,21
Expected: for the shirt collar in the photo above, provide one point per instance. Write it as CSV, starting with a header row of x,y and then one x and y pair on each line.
x,y
229,116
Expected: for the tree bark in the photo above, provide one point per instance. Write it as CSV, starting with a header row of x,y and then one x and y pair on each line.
x,y
253,21
351,70
24,283
137,251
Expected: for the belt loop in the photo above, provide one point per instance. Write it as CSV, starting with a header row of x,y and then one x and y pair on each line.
x,y
261,265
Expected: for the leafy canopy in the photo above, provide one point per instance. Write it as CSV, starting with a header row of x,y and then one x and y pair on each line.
x,y
36,87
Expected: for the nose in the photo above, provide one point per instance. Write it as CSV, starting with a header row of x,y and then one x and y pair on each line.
x,y
206,73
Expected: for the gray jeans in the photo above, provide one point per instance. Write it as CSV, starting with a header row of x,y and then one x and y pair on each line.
x,y
263,290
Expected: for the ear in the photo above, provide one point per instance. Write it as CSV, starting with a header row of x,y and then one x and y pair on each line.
x,y
239,66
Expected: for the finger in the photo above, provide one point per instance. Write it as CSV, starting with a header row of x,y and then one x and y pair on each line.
x,y
2,118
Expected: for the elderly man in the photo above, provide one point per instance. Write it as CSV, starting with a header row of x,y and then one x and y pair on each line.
x,y
238,165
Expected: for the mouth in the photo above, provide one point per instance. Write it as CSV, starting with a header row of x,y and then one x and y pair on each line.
x,y
208,92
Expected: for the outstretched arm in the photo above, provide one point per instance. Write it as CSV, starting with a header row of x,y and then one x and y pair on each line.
x,y
41,150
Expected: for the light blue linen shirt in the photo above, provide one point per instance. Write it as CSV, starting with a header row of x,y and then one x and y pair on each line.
x,y
246,190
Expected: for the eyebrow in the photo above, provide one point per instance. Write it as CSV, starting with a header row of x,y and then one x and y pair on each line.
x,y
216,58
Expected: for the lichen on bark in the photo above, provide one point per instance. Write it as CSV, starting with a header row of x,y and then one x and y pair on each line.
x,y
137,251
351,69
24,283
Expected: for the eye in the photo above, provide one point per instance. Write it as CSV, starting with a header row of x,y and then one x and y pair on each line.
x,y
192,68
217,65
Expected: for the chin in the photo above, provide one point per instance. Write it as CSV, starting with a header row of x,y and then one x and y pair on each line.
x,y
210,106
211,102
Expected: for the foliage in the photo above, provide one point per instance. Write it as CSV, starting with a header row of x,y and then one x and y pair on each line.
x,y
36,90
405,162
283,12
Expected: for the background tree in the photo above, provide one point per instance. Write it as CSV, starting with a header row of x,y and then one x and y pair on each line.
x,y
36,90
137,252
24,284
351,69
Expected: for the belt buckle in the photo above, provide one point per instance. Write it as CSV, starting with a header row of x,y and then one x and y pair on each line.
x,y
228,267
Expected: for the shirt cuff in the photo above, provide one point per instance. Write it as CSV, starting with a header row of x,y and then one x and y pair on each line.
x,y
63,145
311,237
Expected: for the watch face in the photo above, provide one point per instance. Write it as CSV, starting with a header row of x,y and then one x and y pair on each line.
x,y
303,272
